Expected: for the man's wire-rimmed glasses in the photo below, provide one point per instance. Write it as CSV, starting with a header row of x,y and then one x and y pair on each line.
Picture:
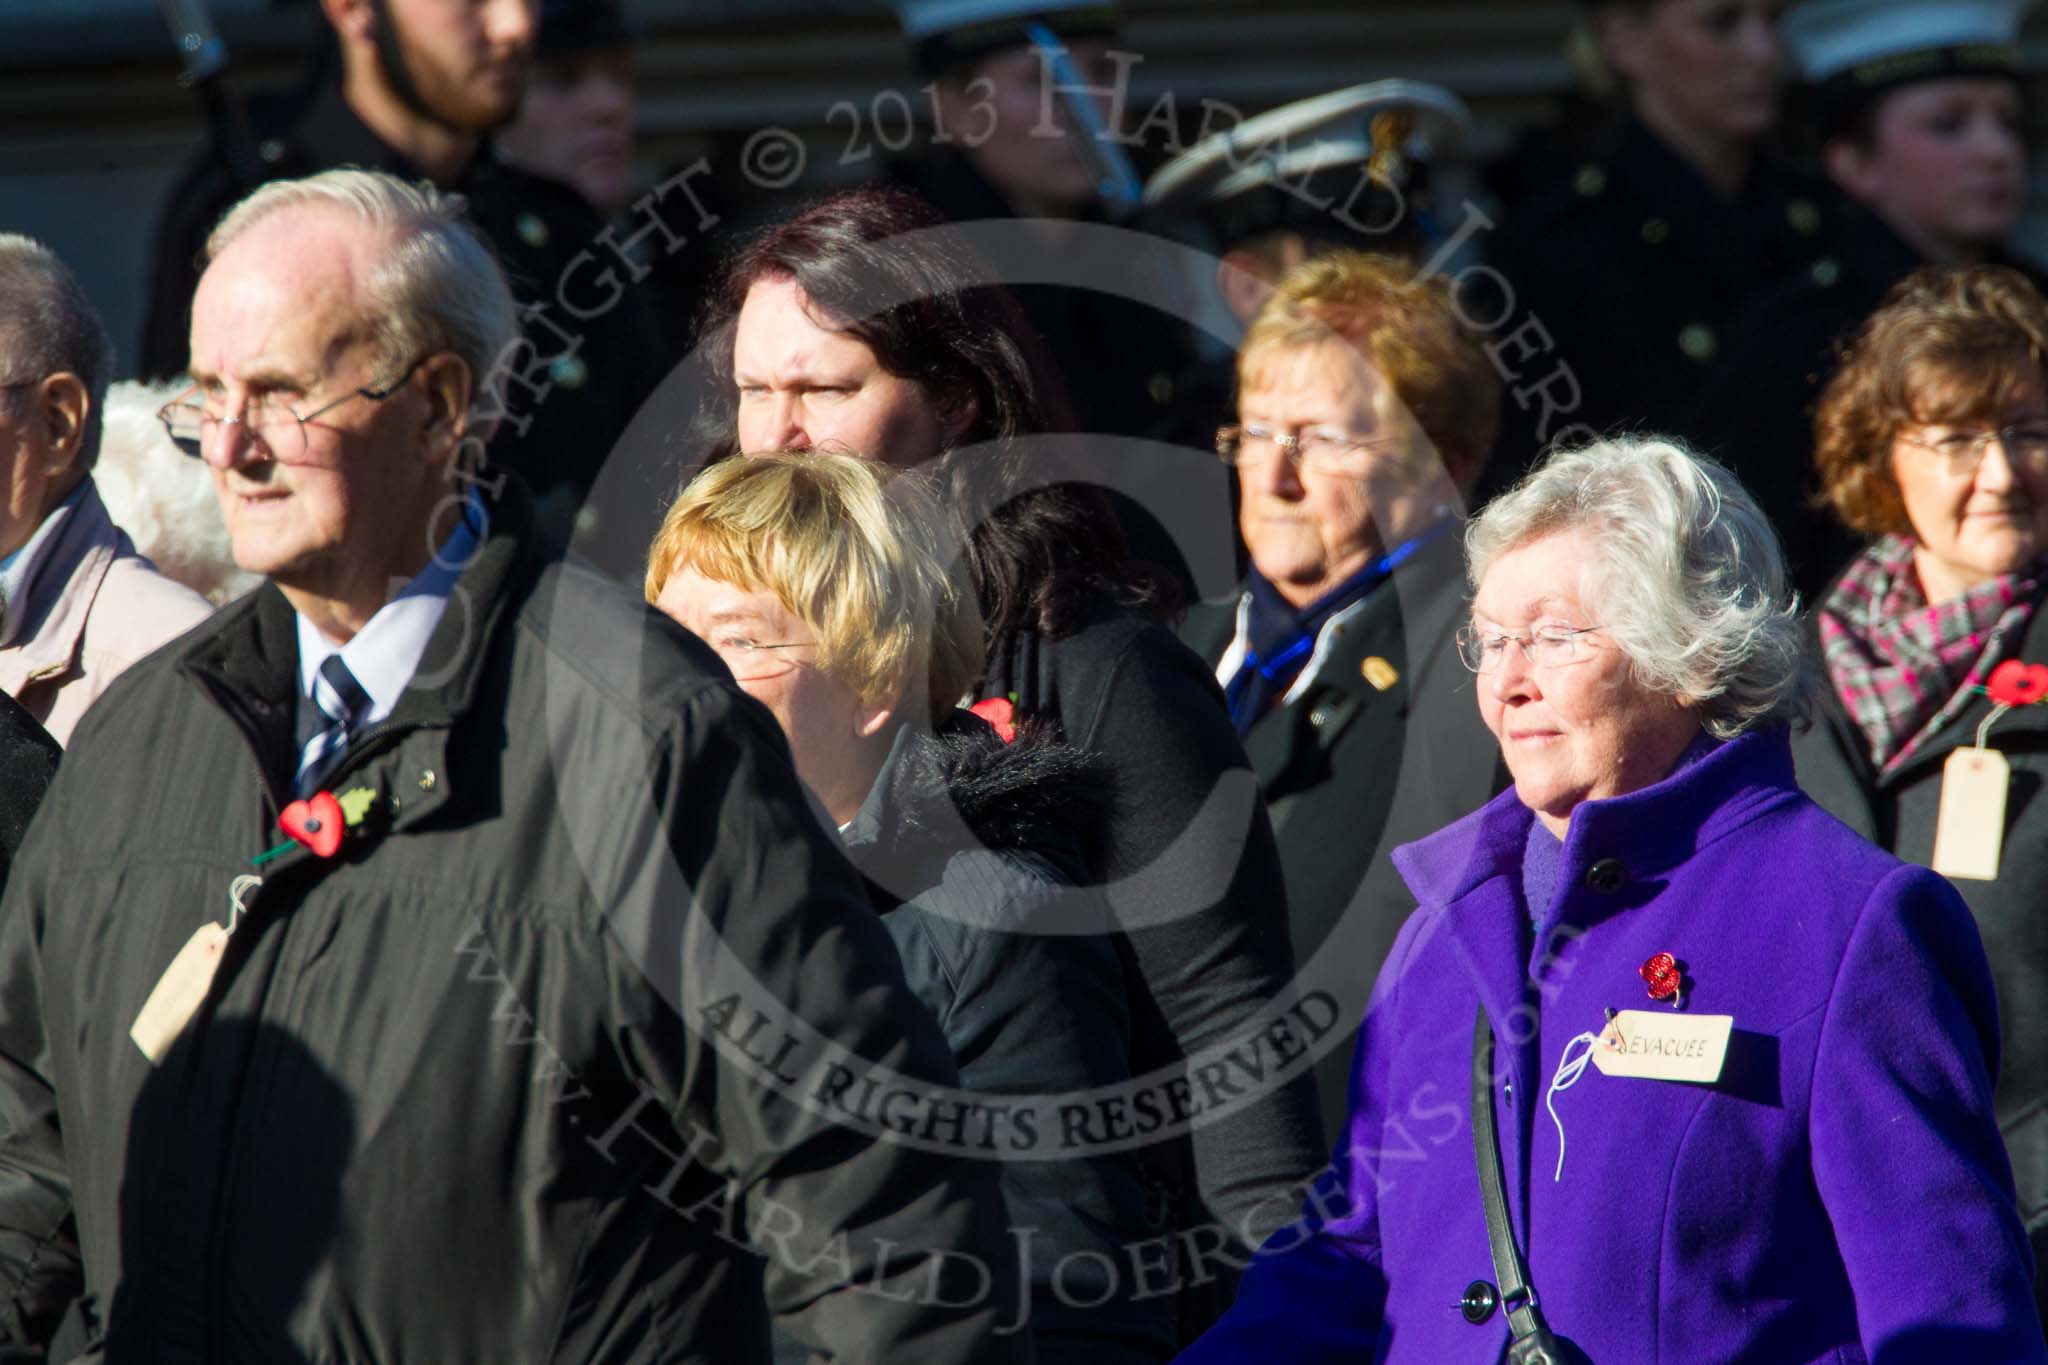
x,y
276,424
1327,450
1545,647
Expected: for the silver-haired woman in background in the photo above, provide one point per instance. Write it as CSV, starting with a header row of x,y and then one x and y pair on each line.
x,y
1770,1043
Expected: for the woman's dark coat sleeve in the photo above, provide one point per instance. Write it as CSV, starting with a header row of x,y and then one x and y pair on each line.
x,y
1185,787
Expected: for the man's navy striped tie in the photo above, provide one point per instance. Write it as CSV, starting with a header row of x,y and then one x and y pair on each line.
x,y
341,702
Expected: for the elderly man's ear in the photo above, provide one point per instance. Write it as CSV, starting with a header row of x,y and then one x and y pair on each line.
x,y
62,408
448,384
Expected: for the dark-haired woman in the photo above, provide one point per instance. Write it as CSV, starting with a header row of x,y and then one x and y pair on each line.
x,y
865,324
1932,439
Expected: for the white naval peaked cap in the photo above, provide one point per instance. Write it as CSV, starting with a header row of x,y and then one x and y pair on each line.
x,y
1832,38
1320,133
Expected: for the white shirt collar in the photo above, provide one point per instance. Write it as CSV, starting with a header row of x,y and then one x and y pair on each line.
x,y
1326,640
385,653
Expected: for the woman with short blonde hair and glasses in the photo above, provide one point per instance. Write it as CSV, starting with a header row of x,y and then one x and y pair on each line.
x,y
823,582
1365,408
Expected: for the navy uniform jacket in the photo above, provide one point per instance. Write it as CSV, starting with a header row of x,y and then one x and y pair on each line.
x,y
1384,746
537,226
1635,269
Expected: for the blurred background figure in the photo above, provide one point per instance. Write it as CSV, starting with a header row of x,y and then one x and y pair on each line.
x,y
1020,86
78,605
1932,440
163,498
1365,410
1636,263
575,123
838,332
416,87
824,583
1349,169
1920,106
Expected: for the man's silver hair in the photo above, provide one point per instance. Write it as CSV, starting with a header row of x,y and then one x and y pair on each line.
x,y
48,326
1687,576
436,286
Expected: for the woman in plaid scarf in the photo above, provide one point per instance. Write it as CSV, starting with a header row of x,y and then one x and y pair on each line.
x,y
1933,440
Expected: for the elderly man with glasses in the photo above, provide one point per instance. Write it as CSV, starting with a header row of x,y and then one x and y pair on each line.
x,y
456,972
77,604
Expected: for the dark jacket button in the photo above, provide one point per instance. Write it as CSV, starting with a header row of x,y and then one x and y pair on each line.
x,y
1606,875
1479,1302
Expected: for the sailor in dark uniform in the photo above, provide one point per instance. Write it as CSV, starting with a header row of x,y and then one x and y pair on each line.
x,y
416,94
1348,169
996,154
1921,107
1636,265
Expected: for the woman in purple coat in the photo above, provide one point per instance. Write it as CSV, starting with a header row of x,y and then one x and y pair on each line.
x,y
1738,1061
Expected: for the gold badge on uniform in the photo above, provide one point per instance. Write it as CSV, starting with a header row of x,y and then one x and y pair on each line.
x,y
1381,674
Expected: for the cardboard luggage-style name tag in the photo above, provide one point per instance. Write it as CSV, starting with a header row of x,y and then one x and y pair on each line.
x,y
182,989
1969,830
1664,1047
179,992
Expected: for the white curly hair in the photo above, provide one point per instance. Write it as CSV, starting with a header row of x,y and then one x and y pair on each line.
x,y
1689,579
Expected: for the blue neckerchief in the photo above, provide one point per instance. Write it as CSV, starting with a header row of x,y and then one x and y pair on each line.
x,y
1279,639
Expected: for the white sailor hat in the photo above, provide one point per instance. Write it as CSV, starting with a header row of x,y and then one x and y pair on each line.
x,y
945,34
1853,50
1297,165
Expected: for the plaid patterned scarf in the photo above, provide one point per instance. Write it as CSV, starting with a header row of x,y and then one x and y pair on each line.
x,y
1902,667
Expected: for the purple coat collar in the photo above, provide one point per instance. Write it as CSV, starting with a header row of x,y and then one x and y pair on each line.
x,y
1650,831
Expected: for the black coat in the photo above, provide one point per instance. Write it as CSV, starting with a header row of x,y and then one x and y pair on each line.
x,y
1897,812
489,1083
973,849
1384,747
28,759
539,229
1755,411
1195,879
1635,268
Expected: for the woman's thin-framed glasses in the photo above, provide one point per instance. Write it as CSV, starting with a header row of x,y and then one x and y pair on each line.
x,y
280,427
752,660
1545,647
1327,450
1962,451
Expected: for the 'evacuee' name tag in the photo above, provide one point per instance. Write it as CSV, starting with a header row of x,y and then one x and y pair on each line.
x,y
1664,1047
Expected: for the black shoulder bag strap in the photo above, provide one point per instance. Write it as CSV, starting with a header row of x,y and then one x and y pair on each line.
x,y
1532,1342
